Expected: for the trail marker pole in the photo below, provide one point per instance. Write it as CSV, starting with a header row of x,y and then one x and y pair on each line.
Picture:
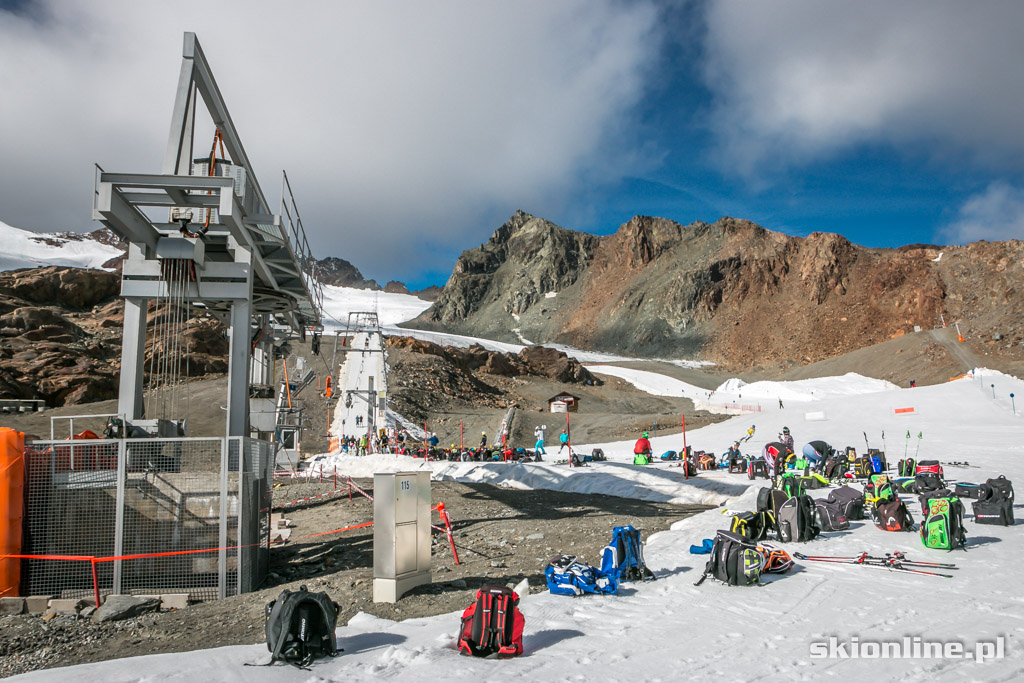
x,y
993,390
462,436
568,434
686,468
1013,404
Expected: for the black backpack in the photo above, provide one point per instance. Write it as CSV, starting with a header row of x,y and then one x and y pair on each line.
x,y
830,515
995,502
757,468
849,501
796,521
926,482
300,627
753,526
836,466
892,515
906,468
1001,487
734,560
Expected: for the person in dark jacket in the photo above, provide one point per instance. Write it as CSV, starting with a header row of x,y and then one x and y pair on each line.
x,y
817,451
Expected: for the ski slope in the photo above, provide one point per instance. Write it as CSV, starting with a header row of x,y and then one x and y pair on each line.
x,y
25,249
363,364
671,630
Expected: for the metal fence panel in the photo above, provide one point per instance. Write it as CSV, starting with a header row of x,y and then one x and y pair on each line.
x,y
70,509
113,498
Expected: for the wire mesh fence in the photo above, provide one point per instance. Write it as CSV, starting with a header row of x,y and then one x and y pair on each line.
x,y
159,516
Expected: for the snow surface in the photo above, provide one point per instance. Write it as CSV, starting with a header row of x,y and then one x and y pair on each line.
x,y
671,630
24,249
734,393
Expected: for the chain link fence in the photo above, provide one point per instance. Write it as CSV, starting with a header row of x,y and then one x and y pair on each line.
x,y
168,516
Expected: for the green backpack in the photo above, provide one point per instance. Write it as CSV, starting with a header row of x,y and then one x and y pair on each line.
x,y
943,525
641,459
880,487
791,485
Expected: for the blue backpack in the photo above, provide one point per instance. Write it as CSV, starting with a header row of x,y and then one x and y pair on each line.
x,y
876,465
566,576
623,557
669,455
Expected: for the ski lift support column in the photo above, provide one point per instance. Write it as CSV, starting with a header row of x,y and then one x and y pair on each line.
x,y
253,268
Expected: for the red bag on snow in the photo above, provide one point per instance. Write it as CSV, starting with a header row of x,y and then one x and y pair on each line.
x,y
929,466
493,624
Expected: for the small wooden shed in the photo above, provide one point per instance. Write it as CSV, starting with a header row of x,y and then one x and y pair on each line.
x,y
564,403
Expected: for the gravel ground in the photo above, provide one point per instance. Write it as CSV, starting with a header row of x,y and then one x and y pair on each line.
x,y
503,535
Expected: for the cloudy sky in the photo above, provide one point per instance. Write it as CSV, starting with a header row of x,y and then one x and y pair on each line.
x,y
411,130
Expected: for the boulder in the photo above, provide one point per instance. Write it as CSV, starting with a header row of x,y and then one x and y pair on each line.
x,y
118,607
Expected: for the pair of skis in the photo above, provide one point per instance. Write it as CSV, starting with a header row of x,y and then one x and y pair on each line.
x,y
895,561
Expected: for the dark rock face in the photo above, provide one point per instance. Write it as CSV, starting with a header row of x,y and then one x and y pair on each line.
x,y
340,273
731,291
429,293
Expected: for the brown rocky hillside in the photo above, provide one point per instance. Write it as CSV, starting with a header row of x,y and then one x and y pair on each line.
x,y
731,292
60,336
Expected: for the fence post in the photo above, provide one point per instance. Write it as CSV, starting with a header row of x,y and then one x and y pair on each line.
x,y
95,583
122,473
222,553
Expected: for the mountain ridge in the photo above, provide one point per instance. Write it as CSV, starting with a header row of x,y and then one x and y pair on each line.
x,y
731,291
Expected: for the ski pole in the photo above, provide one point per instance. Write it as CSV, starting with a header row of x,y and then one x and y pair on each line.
x,y
883,441
919,435
866,444
907,446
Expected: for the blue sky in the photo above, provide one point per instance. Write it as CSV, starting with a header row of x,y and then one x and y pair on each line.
x,y
412,130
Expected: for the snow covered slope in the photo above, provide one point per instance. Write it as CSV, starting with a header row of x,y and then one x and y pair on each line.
x,y
24,249
671,630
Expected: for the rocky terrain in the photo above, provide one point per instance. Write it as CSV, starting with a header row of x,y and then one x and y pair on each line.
x,y
60,336
503,536
731,292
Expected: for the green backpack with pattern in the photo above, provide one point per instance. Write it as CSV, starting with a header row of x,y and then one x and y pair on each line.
x,y
943,525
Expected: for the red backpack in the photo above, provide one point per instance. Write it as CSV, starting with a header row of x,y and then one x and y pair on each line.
x,y
493,624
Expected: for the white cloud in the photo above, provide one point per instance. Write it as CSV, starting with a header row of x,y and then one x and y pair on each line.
x,y
995,214
798,80
404,126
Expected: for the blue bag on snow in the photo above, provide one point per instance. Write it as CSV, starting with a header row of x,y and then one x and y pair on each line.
x,y
669,455
623,557
566,576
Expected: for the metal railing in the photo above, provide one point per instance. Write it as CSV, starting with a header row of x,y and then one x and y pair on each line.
x,y
188,515
295,235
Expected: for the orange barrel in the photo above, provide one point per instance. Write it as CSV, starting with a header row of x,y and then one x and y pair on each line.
x,y
12,482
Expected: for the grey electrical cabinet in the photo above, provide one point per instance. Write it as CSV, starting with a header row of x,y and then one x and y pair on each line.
x,y
401,533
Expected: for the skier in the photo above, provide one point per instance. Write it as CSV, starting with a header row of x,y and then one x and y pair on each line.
x,y
642,446
733,452
539,434
786,438
563,441
483,440
433,440
780,403
750,433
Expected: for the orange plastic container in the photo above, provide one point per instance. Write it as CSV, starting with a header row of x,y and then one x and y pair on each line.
x,y
12,482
